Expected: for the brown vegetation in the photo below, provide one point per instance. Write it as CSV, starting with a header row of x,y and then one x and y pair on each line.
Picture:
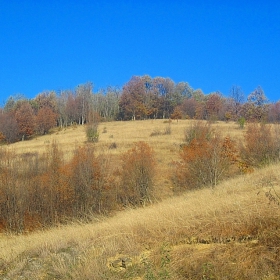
x,y
230,230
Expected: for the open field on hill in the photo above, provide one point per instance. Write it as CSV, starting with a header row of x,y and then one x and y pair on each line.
x,y
228,232
124,135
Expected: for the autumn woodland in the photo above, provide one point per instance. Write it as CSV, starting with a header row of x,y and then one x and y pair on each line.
x,y
181,184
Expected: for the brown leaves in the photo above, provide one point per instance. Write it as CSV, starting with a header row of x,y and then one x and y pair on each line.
x,y
45,120
206,158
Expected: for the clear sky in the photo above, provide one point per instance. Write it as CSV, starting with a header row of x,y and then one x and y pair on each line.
x,y
212,45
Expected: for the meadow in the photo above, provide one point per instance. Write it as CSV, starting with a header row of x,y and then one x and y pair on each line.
x,y
124,135
227,232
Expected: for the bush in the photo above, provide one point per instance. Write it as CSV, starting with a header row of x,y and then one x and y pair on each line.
x,y
41,191
92,132
241,122
137,175
90,182
113,145
167,130
92,127
205,159
157,132
261,145
199,131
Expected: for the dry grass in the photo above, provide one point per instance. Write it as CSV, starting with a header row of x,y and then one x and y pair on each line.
x,y
124,134
230,232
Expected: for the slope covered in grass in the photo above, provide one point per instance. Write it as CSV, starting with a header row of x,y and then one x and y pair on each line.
x,y
230,232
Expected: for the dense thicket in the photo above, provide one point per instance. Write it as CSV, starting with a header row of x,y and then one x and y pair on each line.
x,y
43,190
142,97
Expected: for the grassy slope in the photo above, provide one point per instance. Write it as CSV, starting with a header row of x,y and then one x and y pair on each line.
x,y
231,232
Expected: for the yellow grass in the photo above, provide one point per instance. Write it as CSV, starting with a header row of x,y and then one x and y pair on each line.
x,y
235,218
124,134
230,232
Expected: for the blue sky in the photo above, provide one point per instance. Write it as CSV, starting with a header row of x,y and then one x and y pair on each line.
x,y
212,45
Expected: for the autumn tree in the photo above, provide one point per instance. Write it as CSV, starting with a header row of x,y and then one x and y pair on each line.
x,y
72,109
177,113
13,102
188,108
132,104
45,120
55,194
25,119
198,95
165,89
46,99
274,112
254,113
9,127
214,106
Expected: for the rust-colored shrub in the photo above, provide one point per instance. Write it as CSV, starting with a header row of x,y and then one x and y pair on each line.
x,y
205,159
137,175
91,182
261,145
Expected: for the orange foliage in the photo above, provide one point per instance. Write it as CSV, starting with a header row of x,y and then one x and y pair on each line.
x,y
206,159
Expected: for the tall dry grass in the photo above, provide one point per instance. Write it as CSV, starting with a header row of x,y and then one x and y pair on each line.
x,y
230,232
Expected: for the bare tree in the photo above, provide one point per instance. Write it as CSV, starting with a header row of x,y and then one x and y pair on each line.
x,y
236,95
257,97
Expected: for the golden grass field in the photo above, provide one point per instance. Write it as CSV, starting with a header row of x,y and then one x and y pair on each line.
x,y
125,134
229,232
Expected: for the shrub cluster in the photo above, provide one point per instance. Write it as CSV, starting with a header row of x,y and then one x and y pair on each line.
x,y
40,191
207,158
261,145
138,169
92,127
166,131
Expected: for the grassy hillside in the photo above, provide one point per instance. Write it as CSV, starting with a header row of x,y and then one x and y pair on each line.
x,y
229,232
124,135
